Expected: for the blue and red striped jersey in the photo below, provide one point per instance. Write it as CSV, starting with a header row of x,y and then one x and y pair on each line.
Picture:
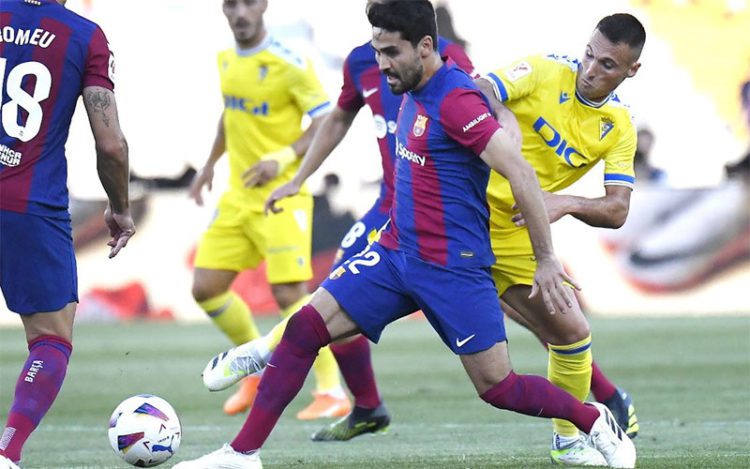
x,y
48,54
440,212
365,85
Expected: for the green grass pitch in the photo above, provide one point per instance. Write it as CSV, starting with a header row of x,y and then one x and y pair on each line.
x,y
690,378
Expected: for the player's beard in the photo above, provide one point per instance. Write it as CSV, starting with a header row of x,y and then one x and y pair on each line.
x,y
408,79
246,33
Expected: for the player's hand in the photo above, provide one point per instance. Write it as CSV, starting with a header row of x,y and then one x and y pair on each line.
x,y
121,228
555,204
287,190
205,177
261,173
554,284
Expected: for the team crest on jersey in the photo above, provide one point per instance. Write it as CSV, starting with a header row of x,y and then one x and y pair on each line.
x,y
336,274
262,72
605,126
519,71
420,124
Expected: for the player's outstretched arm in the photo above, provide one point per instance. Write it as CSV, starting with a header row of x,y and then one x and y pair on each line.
x,y
502,156
609,211
205,176
111,163
332,131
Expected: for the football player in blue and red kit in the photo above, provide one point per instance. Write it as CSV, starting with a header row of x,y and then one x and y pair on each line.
x,y
363,85
49,56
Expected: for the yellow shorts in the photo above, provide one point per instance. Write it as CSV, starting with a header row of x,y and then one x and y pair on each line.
x,y
240,239
513,270
515,263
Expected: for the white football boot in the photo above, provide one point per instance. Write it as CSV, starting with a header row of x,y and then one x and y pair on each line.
x,y
223,458
577,452
607,436
229,367
6,463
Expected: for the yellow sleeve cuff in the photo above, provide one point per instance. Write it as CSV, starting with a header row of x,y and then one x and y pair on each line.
x,y
284,157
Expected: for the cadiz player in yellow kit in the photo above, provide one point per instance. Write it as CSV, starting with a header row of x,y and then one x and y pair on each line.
x,y
570,119
267,89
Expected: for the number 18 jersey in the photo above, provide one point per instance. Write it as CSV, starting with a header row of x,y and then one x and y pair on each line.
x,y
48,54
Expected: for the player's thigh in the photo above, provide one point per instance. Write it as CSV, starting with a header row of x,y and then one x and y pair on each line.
x,y
361,234
226,245
38,265
370,288
514,276
288,242
461,305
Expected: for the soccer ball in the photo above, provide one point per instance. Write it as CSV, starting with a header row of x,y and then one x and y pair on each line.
x,y
144,430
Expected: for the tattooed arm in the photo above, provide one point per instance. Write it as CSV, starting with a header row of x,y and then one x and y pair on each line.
x,y
111,162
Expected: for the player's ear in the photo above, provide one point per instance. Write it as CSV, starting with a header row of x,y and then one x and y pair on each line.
x,y
425,47
633,69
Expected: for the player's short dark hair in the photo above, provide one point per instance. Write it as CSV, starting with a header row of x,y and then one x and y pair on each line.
x,y
413,19
625,28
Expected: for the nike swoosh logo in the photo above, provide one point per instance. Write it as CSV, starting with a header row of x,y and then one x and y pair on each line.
x,y
367,93
461,343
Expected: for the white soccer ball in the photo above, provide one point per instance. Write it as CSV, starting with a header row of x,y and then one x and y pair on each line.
x,y
144,430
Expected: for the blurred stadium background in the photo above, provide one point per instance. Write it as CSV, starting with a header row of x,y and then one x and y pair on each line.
x,y
685,252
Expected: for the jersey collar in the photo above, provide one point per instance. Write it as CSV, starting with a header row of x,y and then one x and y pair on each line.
x,y
254,50
594,104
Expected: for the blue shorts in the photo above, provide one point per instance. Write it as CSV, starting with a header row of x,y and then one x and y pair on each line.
x,y
380,285
362,233
38,264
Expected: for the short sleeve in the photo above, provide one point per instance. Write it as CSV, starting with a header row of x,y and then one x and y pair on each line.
x,y
349,99
467,119
307,91
100,63
518,79
618,162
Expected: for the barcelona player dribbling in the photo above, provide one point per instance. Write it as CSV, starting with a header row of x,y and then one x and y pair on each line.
x,y
434,254
363,85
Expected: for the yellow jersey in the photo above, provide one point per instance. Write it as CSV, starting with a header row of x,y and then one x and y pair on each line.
x,y
564,135
267,90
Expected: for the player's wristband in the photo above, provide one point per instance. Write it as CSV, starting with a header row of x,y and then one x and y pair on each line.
x,y
284,157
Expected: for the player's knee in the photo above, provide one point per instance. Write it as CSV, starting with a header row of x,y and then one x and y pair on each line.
x,y
306,331
203,292
570,335
286,294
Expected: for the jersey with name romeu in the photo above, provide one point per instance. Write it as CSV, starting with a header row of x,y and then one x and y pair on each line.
x,y
364,84
267,91
48,54
564,134
439,211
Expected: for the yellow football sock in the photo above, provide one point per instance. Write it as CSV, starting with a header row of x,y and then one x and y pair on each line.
x,y
325,369
232,316
274,335
569,368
